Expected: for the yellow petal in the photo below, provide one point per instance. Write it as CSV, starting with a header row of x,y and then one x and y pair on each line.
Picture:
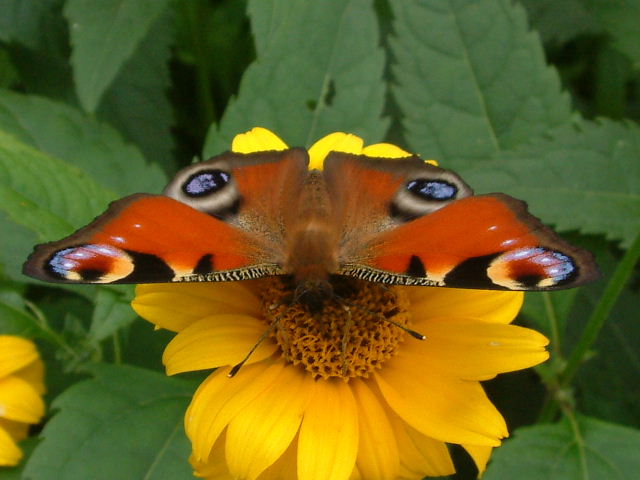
x,y
328,441
378,456
420,456
355,475
334,142
17,430
480,455
475,350
285,466
175,306
489,305
10,454
20,401
385,150
439,406
220,398
15,353
215,467
216,341
33,374
264,429
257,139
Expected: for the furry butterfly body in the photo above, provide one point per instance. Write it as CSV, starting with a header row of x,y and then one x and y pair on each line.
x,y
243,216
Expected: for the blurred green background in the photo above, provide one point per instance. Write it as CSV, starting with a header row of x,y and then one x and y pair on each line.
x,y
538,99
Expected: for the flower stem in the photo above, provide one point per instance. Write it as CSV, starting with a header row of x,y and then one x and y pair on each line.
x,y
601,312
553,321
579,440
47,332
558,388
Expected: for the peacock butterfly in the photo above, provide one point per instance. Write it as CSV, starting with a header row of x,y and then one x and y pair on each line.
x,y
244,216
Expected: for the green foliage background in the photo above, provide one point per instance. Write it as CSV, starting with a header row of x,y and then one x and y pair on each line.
x,y
538,99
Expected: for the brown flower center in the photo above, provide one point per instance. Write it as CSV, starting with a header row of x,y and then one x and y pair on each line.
x,y
352,335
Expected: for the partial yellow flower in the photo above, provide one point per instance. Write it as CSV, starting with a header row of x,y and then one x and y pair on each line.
x,y
21,389
314,402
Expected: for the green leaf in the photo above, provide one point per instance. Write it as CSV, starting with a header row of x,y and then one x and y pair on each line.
x,y
612,76
319,70
104,35
585,179
471,79
549,311
46,70
67,133
8,72
112,312
14,319
137,102
620,19
143,345
45,194
21,21
561,21
608,384
126,423
604,451
16,242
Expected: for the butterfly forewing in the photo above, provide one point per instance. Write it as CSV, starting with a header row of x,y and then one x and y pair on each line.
x,y
485,241
216,227
145,239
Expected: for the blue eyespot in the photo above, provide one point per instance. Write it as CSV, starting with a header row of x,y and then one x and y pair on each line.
x,y
205,182
437,190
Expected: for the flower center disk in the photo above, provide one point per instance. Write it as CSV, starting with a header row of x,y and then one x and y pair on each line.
x,y
351,336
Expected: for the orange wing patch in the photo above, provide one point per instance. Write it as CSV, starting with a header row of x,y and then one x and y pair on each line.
x,y
486,241
144,238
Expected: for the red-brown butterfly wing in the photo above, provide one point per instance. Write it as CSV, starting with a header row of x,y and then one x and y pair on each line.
x,y
148,238
486,241
223,222
406,222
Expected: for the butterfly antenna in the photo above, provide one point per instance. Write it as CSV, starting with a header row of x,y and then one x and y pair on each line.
x,y
236,368
411,332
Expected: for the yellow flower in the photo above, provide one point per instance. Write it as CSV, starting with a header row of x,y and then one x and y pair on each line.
x,y
349,396
21,389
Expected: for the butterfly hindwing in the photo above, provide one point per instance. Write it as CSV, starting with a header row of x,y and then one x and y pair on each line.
x,y
250,191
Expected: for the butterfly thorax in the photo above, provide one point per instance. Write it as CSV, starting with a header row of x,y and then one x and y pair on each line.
x,y
311,244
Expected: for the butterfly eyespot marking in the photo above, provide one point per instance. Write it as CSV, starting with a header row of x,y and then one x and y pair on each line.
x,y
205,182
426,192
432,189
531,268
211,189
90,263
